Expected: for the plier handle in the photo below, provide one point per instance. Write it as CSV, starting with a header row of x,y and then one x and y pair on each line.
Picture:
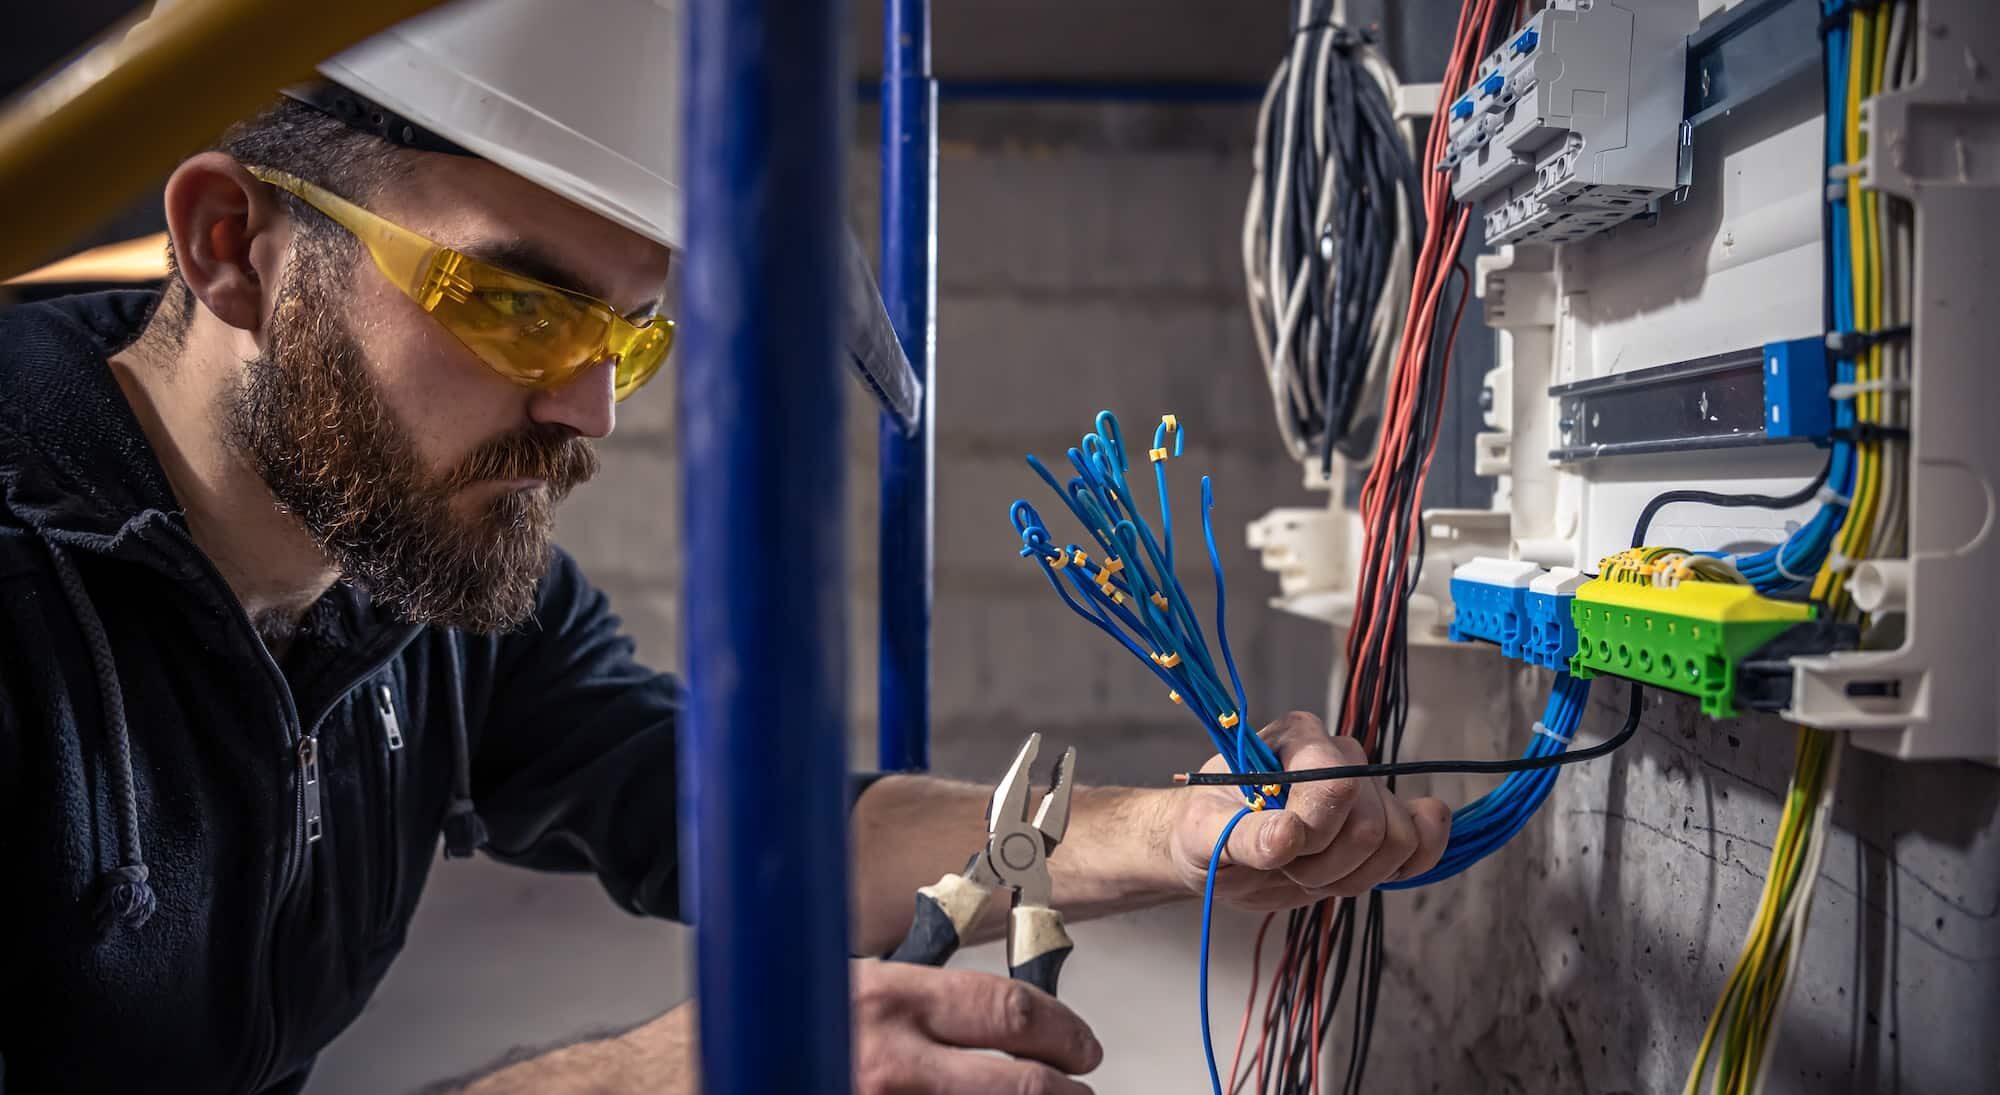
x,y
1015,857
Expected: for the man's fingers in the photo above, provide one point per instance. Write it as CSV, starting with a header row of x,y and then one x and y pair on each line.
x,y
951,1072
1433,819
984,1011
1361,835
1399,843
1301,742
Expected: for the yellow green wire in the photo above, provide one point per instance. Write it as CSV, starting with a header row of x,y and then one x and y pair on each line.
x,y
1739,1032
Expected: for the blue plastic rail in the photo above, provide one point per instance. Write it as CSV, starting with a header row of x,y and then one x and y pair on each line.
x,y
909,292
764,766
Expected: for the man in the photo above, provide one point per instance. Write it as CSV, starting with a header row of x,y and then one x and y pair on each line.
x,y
284,608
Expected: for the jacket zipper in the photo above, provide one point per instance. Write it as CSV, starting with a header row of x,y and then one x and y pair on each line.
x,y
307,804
310,825
392,845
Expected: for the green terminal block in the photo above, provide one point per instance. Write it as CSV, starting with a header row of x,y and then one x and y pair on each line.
x,y
1686,639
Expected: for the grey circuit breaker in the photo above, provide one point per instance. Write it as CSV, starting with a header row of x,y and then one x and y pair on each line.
x,y
1573,124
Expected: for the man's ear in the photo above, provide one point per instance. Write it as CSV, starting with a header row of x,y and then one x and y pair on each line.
x,y
231,234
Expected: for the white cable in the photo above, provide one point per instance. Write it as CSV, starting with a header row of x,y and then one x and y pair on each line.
x,y
1277,296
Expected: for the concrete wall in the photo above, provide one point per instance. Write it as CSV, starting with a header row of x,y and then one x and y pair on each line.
x,y
1089,260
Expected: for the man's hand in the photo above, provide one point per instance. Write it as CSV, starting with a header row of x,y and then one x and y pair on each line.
x,y
918,1030
1339,838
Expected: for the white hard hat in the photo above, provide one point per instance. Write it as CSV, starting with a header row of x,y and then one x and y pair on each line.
x,y
580,97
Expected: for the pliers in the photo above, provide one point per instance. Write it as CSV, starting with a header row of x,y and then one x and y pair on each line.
x,y
1016,856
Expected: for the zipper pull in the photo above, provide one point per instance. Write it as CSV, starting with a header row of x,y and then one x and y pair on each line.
x,y
309,785
392,730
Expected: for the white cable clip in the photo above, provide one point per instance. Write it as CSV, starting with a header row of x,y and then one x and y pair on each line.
x,y
1548,733
1828,496
1838,563
1850,389
1778,560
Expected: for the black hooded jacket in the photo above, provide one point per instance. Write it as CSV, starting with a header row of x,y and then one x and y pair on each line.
x,y
208,858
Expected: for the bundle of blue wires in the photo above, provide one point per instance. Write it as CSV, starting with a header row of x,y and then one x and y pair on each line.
x,y
1131,592
1481,827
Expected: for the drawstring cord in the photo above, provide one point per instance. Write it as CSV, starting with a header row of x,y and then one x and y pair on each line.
x,y
124,896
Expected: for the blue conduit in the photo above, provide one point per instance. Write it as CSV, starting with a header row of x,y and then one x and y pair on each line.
x,y
763,772
909,292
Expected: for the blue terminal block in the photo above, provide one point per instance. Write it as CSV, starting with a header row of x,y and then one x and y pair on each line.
x,y
1489,600
1462,109
1492,84
1526,41
1797,390
1551,638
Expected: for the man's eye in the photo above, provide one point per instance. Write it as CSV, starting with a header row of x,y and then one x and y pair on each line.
x,y
513,303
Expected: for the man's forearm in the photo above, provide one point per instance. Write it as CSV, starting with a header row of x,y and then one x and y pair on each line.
x,y
909,830
658,1058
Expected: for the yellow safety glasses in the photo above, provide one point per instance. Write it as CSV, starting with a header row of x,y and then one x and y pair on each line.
x,y
533,333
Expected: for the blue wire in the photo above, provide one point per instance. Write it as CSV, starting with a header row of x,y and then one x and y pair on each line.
x,y
1207,917
1100,498
1482,827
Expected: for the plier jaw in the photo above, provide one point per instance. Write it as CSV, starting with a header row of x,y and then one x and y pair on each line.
x,y
1015,857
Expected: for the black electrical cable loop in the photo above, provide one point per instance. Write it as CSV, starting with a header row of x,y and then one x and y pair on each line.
x,y
1430,767
1335,209
1735,501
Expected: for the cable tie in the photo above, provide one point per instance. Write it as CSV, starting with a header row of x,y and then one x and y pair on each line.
x,y
1852,344
1843,171
1548,733
1838,562
1846,391
1828,496
1778,561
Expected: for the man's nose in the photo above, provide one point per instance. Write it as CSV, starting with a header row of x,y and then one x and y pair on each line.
x,y
587,404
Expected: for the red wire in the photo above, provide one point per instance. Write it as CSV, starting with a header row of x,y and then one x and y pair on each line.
x,y
1379,605
1249,1005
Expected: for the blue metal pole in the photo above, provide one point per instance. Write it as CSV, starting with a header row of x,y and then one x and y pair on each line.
x,y
764,770
909,291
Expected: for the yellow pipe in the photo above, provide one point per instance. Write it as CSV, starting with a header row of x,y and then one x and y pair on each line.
x,y
77,147
137,260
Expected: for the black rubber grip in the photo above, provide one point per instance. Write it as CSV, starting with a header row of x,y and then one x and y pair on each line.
x,y
932,938
1042,971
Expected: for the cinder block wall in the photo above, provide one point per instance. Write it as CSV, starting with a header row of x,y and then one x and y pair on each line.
x,y
1089,260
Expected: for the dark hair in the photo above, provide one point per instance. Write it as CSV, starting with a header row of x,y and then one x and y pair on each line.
x,y
292,137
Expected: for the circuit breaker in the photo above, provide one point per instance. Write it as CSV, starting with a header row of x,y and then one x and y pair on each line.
x,y
1573,125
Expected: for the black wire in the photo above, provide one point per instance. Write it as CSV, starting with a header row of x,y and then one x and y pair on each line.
x,y
1427,767
1334,339
1710,498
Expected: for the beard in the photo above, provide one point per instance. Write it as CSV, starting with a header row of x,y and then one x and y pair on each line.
x,y
315,426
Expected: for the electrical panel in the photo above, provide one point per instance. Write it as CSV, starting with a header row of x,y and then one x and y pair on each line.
x,y
1693,350
1573,125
